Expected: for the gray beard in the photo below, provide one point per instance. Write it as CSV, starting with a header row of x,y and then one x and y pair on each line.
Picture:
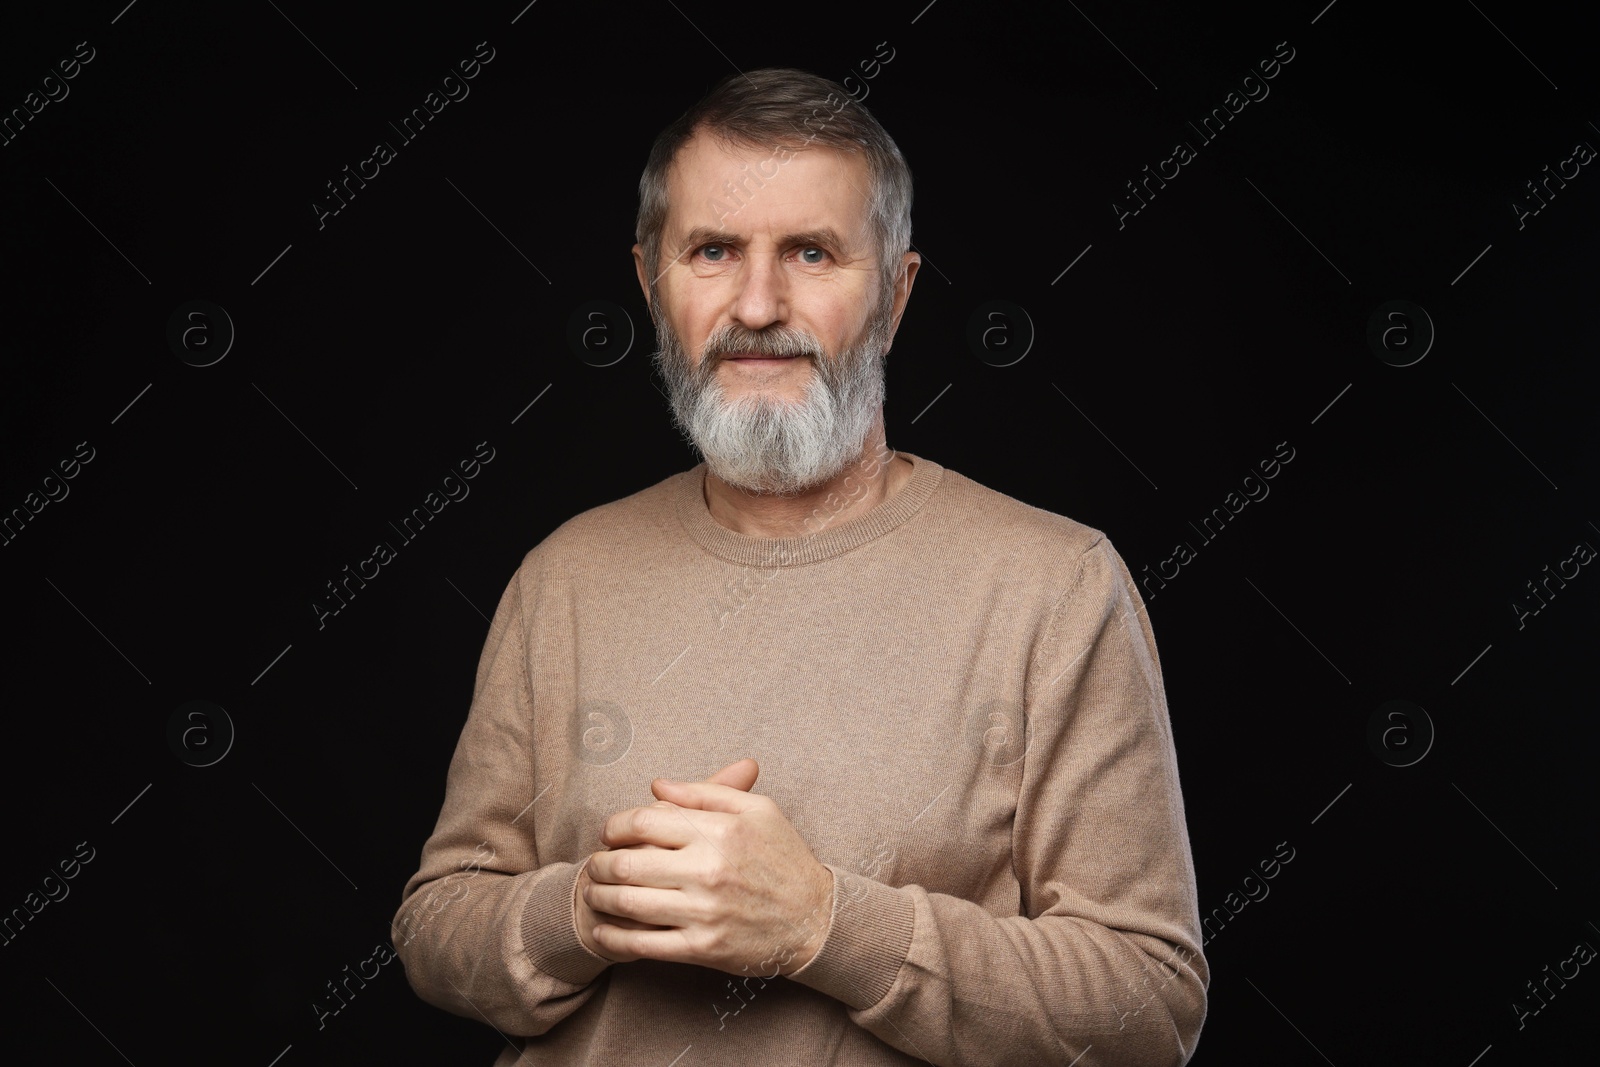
x,y
763,444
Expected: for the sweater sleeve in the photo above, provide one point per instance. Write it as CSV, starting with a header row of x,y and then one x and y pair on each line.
x,y
1103,966
485,930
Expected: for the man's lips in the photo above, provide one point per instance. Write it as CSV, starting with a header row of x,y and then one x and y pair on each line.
x,y
752,357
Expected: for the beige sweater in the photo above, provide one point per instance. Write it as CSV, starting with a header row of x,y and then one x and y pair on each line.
x,y
956,700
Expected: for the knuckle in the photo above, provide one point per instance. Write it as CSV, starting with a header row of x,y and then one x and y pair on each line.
x,y
706,912
718,874
628,900
706,942
713,942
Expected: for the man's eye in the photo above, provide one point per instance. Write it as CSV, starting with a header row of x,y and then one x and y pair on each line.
x,y
714,253
812,256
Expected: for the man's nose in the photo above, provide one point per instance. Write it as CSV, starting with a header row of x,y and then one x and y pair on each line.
x,y
762,299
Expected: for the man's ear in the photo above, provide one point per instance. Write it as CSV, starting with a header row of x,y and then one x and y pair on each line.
x,y
907,275
638,268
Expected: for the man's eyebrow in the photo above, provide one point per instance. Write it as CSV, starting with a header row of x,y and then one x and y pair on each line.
x,y
709,235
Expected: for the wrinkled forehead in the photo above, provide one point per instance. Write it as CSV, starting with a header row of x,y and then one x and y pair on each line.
x,y
757,191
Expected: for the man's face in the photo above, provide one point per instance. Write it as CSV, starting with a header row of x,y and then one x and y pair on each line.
x,y
771,320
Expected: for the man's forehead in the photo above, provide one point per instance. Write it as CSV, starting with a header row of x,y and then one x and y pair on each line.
x,y
742,190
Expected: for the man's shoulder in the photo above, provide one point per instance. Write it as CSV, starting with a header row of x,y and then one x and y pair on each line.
x,y
1016,542
620,527
1015,524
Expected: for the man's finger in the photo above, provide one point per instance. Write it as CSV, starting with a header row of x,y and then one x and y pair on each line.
x,y
660,944
740,774
635,865
625,923
707,796
657,824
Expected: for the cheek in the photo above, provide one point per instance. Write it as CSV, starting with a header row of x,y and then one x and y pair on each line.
x,y
694,332
693,315
837,319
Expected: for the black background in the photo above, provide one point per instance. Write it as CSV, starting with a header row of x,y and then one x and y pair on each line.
x,y
372,354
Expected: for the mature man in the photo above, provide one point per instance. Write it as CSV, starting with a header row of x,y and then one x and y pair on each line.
x,y
969,843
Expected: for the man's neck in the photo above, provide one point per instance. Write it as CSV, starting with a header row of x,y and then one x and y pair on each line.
x,y
867,482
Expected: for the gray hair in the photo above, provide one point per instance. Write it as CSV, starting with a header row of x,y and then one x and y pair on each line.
x,y
785,109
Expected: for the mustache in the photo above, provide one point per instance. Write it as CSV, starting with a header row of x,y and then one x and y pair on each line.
x,y
776,341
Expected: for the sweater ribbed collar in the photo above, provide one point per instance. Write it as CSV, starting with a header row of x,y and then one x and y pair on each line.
x,y
830,540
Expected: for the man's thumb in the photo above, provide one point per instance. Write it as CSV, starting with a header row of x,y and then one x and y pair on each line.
x,y
740,774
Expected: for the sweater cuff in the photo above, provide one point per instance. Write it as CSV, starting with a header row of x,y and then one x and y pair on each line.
x,y
550,931
866,944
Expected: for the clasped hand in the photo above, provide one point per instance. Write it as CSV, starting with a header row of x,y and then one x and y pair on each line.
x,y
709,874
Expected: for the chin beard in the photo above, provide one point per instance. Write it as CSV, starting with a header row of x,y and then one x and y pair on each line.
x,y
763,444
